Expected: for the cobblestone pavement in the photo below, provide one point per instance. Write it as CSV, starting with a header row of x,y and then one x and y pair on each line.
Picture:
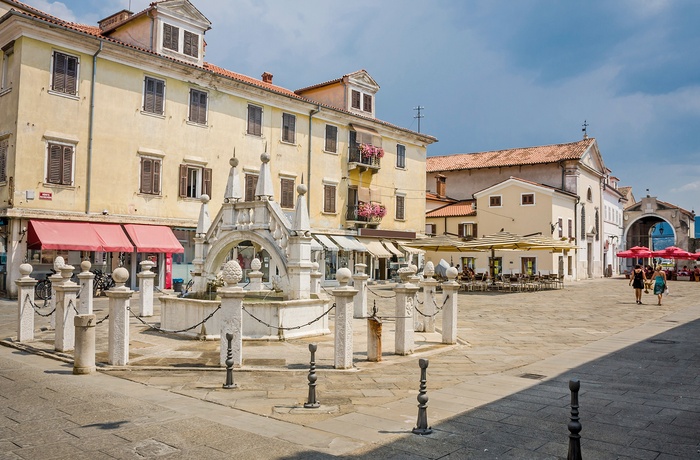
x,y
502,392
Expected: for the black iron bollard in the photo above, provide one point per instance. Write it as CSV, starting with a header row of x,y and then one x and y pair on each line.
x,y
229,364
574,424
312,403
422,427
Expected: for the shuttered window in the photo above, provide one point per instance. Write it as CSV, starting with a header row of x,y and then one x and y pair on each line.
x,y
527,199
367,102
150,176
251,182
65,73
198,107
400,156
400,207
331,139
153,95
329,198
356,99
287,187
561,227
194,182
254,120
430,229
4,147
171,37
59,166
288,127
467,230
191,45
495,201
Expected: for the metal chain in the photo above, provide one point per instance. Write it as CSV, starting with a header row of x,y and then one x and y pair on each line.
x,y
438,309
156,328
288,328
379,295
37,308
102,320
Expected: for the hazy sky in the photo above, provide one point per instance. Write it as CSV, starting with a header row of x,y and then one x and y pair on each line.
x,y
491,74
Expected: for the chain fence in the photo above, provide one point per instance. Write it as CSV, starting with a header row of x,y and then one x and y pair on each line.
x,y
160,329
437,309
379,295
38,308
291,328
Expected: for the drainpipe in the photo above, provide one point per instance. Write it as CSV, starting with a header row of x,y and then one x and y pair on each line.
x,y
308,163
91,124
578,199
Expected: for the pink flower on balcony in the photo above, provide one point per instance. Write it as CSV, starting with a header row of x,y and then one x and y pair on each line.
x,y
369,151
371,210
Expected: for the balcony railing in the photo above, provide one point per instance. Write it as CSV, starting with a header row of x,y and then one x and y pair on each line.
x,y
353,215
357,157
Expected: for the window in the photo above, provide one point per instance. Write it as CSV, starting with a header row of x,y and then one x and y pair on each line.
x,y
570,230
430,229
583,223
59,168
7,52
589,195
329,198
570,263
597,225
367,102
251,183
356,99
65,74
254,120
495,201
400,156
467,230
527,199
153,95
287,195
469,262
171,37
150,176
331,139
528,265
198,107
191,45
561,227
400,207
4,148
288,128
195,181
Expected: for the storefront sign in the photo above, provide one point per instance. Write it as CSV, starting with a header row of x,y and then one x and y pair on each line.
x,y
46,196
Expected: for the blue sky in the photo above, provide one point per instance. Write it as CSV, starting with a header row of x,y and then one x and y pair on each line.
x,y
491,74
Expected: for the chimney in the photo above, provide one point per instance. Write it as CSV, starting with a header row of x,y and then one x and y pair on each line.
x,y
116,18
267,77
440,186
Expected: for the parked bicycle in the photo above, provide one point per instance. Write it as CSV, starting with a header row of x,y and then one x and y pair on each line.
x,y
102,282
43,288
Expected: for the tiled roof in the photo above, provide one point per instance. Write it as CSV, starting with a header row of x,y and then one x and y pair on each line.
x,y
326,83
511,157
525,181
435,197
624,190
461,208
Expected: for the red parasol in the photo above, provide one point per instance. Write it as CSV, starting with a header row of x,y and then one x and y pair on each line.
x,y
673,252
637,252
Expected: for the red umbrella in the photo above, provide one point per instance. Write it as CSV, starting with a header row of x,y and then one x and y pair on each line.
x,y
637,252
673,252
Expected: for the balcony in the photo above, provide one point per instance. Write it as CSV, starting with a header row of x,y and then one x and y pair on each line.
x,y
365,214
358,158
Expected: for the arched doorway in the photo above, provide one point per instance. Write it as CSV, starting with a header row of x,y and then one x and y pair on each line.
x,y
641,233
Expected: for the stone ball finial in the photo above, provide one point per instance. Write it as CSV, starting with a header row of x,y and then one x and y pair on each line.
x,y
232,273
85,265
451,273
429,269
265,157
120,275
58,262
343,276
233,162
405,273
314,266
414,268
255,264
25,270
204,198
302,189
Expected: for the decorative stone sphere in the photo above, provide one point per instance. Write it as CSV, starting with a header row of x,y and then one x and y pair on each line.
x,y
204,198
255,264
405,273
25,270
343,275
232,273
314,266
120,275
58,262
233,162
302,189
85,265
451,273
265,157
429,269
414,268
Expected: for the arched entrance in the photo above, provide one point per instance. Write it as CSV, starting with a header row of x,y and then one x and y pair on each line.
x,y
222,249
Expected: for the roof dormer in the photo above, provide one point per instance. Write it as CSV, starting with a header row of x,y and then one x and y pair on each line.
x,y
180,29
353,92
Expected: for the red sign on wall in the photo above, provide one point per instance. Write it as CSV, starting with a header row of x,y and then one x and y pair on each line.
x,y
46,195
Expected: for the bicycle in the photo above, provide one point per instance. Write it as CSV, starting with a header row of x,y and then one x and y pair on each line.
x,y
102,282
43,288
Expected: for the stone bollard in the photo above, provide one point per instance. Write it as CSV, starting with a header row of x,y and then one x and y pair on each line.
x,y
56,279
66,309
255,276
119,297
315,280
418,319
343,320
429,284
87,280
312,402
84,354
25,298
404,343
231,316
374,339
146,282
360,303
449,311
574,425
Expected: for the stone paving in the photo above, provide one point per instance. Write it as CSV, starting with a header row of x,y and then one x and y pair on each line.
x,y
502,392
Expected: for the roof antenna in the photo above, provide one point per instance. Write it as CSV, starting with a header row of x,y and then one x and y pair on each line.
x,y
419,116
585,133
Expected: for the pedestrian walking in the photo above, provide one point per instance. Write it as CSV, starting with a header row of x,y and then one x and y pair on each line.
x,y
637,282
659,282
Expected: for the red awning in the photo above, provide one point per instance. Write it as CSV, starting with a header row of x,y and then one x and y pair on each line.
x,y
153,238
70,236
113,238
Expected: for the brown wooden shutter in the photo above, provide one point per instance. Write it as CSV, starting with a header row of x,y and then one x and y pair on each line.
x,y
206,181
59,71
331,138
149,95
367,105
251,182
329,198
71,75
288,127
355,99
254,120
183,181
4,147
171,37
54,167
159,97
287,188
67,165
146,175
461,229
156,177
191,45
400,211
475,234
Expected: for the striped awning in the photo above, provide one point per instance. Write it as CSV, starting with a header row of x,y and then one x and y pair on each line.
x,y
326,243
392,248
348,243
375,248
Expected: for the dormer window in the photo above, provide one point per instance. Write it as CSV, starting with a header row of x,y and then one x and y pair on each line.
x,y
361,101
172,39
191,47
171,36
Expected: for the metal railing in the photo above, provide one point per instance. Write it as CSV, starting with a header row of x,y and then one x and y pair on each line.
x,y
353,214
355,156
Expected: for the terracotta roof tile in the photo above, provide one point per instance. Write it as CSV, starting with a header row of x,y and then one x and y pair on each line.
x,y
511,157
435,197
461,208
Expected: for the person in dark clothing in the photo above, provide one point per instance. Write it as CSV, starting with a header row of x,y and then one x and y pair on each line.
x,y
637,282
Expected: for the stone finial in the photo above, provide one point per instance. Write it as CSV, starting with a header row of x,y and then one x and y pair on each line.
x,y
343,275
451,273
265,157
414,268
204,221
301,222
360,269
255,264
120,275
233,185
25,270
429,269
405,273
264,190
146,265
232,273
58,262
67,271
85,266
233,162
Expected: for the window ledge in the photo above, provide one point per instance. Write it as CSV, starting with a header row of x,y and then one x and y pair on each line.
x,y
60,186
149,195
75,97
198,125
331,153
400,168
152,114
329,213
292,143
257,136
5,91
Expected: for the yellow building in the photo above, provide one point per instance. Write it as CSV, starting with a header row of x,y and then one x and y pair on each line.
x,y
126,123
